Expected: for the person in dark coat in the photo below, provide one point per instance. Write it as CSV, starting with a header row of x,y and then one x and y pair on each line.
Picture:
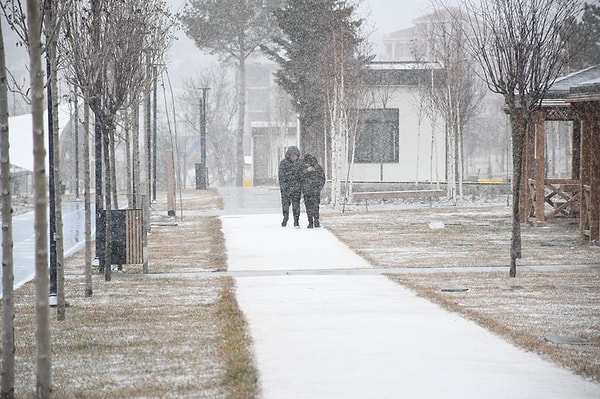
x,y
313,180
290,184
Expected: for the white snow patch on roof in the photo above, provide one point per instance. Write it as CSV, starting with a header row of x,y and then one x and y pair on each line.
x,y
21,137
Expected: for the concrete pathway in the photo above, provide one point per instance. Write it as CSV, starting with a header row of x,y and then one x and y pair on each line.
x,y
363,336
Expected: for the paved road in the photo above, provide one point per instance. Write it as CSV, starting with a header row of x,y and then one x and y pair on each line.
x,y
24,239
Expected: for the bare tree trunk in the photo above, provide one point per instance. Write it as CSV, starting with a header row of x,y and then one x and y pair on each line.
x,y
87,199
433,124
135,143
451,147
113,171
8,305
519,127
128,162
107,132
459,153
420,116
239,146
42,309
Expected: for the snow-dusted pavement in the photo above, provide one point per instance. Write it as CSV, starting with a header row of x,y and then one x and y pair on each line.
x,y
362,336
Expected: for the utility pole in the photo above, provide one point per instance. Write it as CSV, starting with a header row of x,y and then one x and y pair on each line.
x,y
203,108
100,229
154,118
51,189
76,132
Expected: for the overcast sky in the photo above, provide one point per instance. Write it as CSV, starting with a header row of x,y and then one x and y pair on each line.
x,y
387,15
381,17
390,15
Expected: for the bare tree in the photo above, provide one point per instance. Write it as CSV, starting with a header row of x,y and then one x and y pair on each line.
x,y
108,45
233,29
36,77
520,48
221,110
343,66
8,305
87,201
28,26
52,14
457,94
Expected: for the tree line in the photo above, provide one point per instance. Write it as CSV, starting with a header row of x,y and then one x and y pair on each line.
x,y
108,52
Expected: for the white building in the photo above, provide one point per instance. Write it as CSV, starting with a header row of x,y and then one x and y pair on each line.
x,y
398,139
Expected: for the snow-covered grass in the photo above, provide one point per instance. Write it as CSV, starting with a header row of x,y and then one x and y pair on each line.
x,y
471,236
174,333
163,334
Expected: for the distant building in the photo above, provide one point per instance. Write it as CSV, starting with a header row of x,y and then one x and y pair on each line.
x,y
272,123
398,45
397,139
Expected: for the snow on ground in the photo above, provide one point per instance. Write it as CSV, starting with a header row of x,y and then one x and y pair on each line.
x,y
357,336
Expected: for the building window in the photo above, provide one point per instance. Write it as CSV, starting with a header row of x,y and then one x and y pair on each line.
x,y
377,136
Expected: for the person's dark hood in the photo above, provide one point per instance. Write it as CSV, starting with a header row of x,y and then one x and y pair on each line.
x,y
310,160
291,151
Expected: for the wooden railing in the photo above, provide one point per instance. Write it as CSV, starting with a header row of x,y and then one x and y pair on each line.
x,y
563,196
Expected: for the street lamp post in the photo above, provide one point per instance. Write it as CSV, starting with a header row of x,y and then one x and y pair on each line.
x,y
154,119
203,109
76,133
51,192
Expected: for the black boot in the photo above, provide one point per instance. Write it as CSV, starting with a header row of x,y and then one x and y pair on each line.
x,y
310,223
317,224
285,219
297,221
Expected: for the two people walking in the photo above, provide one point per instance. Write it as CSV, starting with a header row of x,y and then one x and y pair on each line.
x,y
299,177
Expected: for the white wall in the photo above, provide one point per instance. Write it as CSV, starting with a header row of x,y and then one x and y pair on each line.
x,y
415,147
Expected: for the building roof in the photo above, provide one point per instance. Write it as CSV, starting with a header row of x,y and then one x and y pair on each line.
x,y
383,73
583,80
21,137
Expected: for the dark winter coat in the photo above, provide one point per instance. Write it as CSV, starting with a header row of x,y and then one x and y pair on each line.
x,y
313,176
290,172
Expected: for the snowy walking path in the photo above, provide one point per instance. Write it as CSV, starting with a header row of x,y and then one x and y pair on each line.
x,y
363,336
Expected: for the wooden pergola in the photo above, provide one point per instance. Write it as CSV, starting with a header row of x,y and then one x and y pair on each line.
x,y
575,98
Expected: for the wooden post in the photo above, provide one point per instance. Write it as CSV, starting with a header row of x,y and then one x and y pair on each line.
x,y
587,108
576,155
528,172
584,160
170,173
594,169
540,149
